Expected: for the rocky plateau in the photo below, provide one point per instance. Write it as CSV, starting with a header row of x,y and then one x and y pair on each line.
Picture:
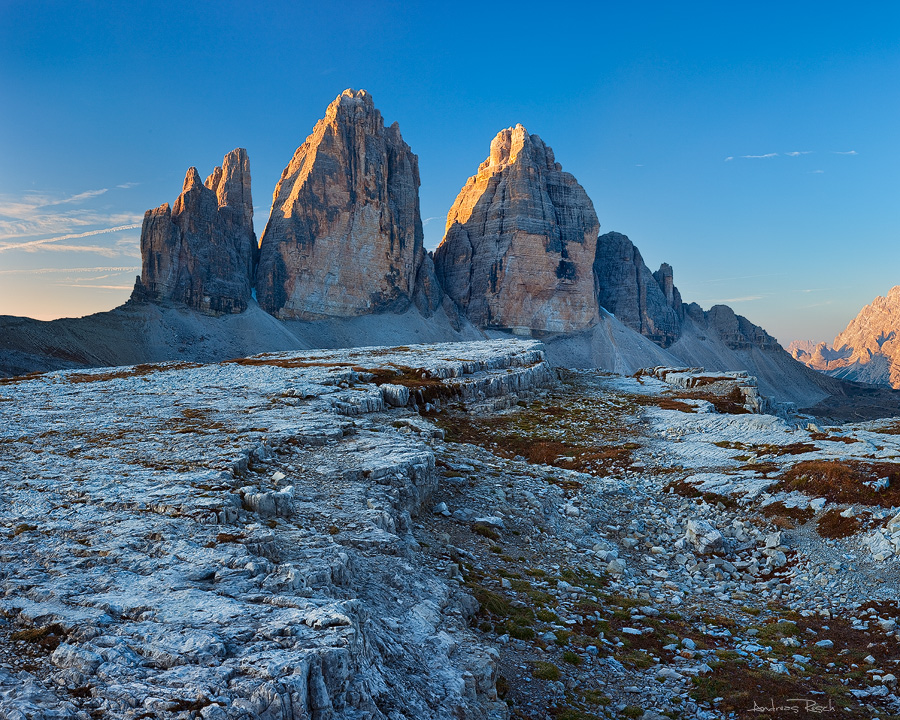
x,y
441,531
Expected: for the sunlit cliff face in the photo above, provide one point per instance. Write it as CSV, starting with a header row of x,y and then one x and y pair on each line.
x,y
345,235
520,241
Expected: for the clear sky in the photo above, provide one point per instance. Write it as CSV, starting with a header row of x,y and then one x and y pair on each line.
x,y
754,146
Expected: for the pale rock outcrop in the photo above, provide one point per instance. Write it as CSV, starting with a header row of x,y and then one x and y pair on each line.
x,y
202,251
867,350
344,237
520,241
818,355
648,303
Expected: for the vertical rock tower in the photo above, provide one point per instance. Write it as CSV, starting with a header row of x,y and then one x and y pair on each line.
x,y
202,251
520,241
344,237
648,303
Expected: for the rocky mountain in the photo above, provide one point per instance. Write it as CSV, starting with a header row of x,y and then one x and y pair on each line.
x,y
201,252
344,237
342,264
868,350
520,241
648,303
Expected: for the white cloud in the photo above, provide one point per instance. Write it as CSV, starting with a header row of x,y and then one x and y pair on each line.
x,y
848,152
96,287
52,243
436,217
746,298
126,186
50,271
756,157
730,157
36,214
816,172
798,153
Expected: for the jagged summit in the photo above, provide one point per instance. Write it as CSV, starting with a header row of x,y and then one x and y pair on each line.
x,y
867,350
520,241
201,251
648,303
344,237
509,144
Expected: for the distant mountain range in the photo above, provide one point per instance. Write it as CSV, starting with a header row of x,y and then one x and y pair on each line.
x,y
341,262
868,350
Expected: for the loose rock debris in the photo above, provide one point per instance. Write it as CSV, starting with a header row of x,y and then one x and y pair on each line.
x,y
434,531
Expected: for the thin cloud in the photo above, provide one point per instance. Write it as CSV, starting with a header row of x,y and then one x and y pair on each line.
x,y
126,186
758,157
51,243
80,197
739,277
729,158
798,153
816,172
99,249
436,217
50,271
847,152
746,298
95,287
34,215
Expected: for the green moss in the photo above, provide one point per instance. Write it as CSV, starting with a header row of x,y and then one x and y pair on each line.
x,y
521,633
547,616
546,671
486,531
571,657
595,697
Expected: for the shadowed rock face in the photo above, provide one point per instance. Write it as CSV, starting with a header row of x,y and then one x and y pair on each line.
x,y
520,241
648,303
736,331
344,237
202,251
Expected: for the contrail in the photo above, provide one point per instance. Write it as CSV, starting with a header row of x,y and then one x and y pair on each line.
x,y
38,243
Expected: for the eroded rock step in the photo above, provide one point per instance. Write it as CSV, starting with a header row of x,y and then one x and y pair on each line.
x,y
234,540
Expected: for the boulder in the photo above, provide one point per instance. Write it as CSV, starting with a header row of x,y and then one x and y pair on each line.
x,y
704,537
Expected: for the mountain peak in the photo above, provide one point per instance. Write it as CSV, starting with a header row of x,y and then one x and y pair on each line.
x,y
345,235
520,239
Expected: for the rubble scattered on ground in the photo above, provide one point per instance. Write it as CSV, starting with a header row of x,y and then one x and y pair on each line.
x,y
437,531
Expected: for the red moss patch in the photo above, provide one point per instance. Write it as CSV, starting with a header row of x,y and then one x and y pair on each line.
x,y
845,481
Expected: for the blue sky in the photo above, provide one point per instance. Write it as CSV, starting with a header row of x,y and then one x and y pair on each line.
x,y
103,107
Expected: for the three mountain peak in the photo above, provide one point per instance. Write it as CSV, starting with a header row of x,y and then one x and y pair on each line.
x,y
344,238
